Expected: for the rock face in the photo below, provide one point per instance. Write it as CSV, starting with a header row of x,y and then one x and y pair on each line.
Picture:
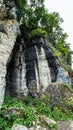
x,y
31,69
9,30
65,125
60,95
27,67
19,127
63,76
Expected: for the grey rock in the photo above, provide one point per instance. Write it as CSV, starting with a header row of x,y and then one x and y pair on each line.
x,y
59,95
31,69
38,127
8,33
46,120
65,125
19,127
1,2
63,76
14,110
12,13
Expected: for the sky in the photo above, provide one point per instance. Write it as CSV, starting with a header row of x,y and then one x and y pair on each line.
x,y
65,9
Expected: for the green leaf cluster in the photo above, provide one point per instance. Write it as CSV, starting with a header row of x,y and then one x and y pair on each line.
x,y
38,33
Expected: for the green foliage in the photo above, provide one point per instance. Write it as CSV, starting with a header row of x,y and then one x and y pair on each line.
x,y
26,117
12,102
29,116
58,114
44,110
64,48
30,109
40,23
53,126
38,33
21,5
68,87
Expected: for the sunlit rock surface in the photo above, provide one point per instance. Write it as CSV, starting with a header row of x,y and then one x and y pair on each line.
x,y
60,95
9,30
63,76
31,69
27,67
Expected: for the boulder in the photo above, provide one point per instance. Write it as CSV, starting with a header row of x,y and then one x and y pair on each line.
x,y
19,127
60,94
38,127
65,125
46,120
63,76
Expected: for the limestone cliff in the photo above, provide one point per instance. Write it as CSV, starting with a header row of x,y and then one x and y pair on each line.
x,y
9,30
26,67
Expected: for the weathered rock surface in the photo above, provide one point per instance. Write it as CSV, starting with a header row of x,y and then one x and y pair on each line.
x,y
27,67
63,76
19,127
46,120
65,125
38,127
61,125
31,69
9,30
60,94
43,123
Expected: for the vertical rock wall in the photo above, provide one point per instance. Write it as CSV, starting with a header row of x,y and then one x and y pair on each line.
x,y
25,68
9,30
31,69
63,76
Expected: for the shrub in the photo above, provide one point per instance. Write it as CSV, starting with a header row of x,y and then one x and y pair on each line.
x,y
38,33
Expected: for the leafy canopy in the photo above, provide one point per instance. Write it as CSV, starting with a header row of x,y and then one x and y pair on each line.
x,y
37,19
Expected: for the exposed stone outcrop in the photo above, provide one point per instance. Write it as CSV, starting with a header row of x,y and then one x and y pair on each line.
x,y
19,127
65,125
63,76
43,123
31,69
60,95
61,125
27,67
9,29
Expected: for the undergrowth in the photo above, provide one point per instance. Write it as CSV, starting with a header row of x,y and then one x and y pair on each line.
x,y
28,111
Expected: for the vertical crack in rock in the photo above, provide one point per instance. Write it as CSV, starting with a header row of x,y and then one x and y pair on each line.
x,y
31,60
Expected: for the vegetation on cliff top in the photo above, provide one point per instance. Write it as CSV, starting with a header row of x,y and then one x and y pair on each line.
x,y
40,22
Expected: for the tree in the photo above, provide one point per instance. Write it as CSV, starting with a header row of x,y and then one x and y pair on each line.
x,y
37,19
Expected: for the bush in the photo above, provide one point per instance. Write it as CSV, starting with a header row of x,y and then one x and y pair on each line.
x,y
38,33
